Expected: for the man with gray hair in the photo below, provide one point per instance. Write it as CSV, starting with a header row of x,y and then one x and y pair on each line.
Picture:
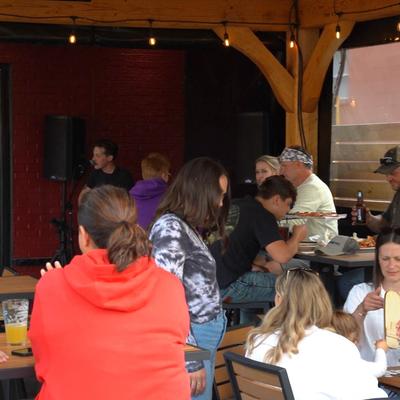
x,y
313,195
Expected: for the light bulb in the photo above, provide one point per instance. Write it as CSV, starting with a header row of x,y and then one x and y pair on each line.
x,y
398,26
291,45
226,40
72,38
152,40
337,31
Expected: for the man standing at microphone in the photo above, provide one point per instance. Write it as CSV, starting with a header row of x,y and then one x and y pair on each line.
x,y
105,171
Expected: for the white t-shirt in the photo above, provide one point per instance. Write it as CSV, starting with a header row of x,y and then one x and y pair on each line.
x,y
377,367
373,324
314,195
327,366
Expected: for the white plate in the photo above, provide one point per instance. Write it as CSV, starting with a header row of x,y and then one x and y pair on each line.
x,y
326,217
367,248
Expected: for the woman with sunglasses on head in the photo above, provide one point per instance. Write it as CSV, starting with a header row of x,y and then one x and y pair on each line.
x,y
365,301
191,206
296,335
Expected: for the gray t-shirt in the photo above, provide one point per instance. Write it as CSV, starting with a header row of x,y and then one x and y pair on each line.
x,y
392,214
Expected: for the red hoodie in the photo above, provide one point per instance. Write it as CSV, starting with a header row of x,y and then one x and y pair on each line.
x,y
101,334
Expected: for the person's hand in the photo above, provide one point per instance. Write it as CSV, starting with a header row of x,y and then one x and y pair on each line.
x,y
368,215
381,344
49,267
258,268
3,357
372,301
299,232
197,381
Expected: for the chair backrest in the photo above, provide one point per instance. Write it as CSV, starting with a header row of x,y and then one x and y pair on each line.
x,y
253,380
234,340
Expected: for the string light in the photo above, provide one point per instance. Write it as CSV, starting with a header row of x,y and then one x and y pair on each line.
x,y
72,36
292,40
152,39
338,31
226,36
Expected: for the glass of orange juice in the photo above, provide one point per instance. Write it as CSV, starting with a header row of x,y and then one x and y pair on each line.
x,y
15,312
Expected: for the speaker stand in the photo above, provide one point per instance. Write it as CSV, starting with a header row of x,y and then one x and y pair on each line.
x,y
64,228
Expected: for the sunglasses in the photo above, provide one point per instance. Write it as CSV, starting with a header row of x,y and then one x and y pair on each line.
x,y
388,161
302,269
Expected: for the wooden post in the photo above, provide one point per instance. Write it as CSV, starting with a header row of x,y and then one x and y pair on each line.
x,y
318,51
307,40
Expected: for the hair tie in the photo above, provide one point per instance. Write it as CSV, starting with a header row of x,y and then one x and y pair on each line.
x,y
124,223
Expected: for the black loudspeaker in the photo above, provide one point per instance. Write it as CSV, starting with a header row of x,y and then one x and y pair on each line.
x,y
64,147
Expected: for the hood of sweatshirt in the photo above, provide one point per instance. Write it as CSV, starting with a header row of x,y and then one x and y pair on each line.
x,y
148,189
93,277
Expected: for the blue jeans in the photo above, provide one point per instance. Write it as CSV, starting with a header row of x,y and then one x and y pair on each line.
x,y
208,336
252,286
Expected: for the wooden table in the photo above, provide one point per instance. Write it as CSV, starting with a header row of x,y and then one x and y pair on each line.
x,y
23,367
363,258
17,287
392,381
16,367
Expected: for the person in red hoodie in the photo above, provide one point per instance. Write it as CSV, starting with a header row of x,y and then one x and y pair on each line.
x,y
111,324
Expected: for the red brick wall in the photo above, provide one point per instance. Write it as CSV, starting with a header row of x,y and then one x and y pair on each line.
x,y
135,97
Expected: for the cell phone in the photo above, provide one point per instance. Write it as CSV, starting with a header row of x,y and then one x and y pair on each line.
x,y
26,352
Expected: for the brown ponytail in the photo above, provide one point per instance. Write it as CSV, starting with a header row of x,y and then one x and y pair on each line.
x,y
126,244
109,216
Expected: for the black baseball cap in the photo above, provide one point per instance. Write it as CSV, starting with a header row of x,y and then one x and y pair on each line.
x,y
390,161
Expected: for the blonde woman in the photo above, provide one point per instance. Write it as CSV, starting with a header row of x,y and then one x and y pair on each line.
x,y
266,166
294,335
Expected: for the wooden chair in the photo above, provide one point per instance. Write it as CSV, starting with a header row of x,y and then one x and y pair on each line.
x,y
234,340
253,380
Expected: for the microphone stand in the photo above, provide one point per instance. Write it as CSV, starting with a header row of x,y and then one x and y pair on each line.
x,y
64,225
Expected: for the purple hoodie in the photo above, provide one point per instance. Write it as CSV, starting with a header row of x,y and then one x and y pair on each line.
x,y
147,194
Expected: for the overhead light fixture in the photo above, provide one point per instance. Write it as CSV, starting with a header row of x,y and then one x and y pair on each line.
x,y
72,35
226,36
292,40
152,38
338,31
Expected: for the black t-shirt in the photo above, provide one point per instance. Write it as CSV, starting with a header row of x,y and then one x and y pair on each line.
x,y
119,177
256,228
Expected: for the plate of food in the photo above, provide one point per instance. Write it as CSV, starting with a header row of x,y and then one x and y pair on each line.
x,y
367,244
315,215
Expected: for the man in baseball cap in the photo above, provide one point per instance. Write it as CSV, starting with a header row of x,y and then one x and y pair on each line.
x,y
389,166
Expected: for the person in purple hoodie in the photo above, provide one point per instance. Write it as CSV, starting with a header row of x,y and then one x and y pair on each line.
x,y
148,192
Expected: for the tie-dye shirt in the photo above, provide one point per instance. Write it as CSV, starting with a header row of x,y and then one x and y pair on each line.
x,y
178,249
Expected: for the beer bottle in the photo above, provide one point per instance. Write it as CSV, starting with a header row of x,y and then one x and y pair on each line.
x,y
360,209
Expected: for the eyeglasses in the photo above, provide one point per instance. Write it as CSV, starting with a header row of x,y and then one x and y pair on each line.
x,y
388,161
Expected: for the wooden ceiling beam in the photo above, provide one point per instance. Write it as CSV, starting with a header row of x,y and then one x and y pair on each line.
x,y
196,14
258,15
319,13
315,71
280,80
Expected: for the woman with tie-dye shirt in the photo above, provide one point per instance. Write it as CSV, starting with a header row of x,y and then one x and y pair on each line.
x,y
191,206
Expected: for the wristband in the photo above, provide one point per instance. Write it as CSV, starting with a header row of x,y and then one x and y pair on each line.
x,y
361,314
